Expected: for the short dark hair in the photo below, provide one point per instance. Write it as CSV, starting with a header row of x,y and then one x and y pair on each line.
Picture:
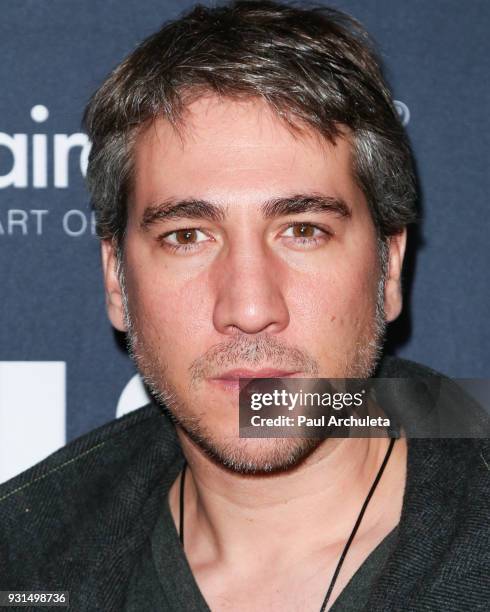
x,y
313,66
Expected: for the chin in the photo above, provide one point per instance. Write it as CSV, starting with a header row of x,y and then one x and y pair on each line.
x,y
252,456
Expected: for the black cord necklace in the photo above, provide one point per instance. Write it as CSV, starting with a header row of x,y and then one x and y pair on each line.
x,y
350,539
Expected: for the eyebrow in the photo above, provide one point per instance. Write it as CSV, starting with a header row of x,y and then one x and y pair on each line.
x,y
276,207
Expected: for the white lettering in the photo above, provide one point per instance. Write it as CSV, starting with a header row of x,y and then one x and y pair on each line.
x,y
39,113
35,151
293,397
39,161
17,218
32,410
39,214
77,228
17,145
23,219
63,144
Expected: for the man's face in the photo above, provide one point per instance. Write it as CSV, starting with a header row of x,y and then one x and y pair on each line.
x,y
249,251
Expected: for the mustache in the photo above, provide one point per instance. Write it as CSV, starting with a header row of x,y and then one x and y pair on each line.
x,y
259,350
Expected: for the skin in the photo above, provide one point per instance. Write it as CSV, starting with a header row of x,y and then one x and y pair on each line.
x,y
252,291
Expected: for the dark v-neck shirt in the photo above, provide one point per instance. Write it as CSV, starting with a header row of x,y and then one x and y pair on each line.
x,y
162,579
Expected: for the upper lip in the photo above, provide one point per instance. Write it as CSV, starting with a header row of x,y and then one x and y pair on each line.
x,y
247,373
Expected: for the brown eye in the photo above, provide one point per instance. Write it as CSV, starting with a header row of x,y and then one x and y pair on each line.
x,y
186,236
303,230
305,235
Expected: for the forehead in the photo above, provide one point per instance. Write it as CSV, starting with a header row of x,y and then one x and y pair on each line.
x,y
237,152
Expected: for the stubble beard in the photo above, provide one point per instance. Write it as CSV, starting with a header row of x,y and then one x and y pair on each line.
x,y
242,455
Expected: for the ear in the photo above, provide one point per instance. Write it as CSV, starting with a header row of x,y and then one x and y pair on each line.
x,y
113,293
393,287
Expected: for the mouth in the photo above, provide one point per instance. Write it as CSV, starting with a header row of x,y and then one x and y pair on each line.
x,y
230,380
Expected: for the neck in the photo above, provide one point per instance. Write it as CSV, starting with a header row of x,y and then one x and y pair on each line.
x,y
310,508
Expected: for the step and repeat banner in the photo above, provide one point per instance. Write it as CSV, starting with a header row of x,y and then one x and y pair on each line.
x,y
63,371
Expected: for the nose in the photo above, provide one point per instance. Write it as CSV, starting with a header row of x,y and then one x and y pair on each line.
x,y
249,298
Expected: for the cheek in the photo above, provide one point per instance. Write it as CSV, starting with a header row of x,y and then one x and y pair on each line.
x,y
172,311
335,304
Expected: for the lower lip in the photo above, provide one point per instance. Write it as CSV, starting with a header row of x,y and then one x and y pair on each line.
x,y
233,384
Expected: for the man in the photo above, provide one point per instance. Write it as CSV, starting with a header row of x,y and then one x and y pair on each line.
x,y
252,186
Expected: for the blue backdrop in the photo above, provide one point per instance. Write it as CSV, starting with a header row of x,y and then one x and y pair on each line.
x,y
53,56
